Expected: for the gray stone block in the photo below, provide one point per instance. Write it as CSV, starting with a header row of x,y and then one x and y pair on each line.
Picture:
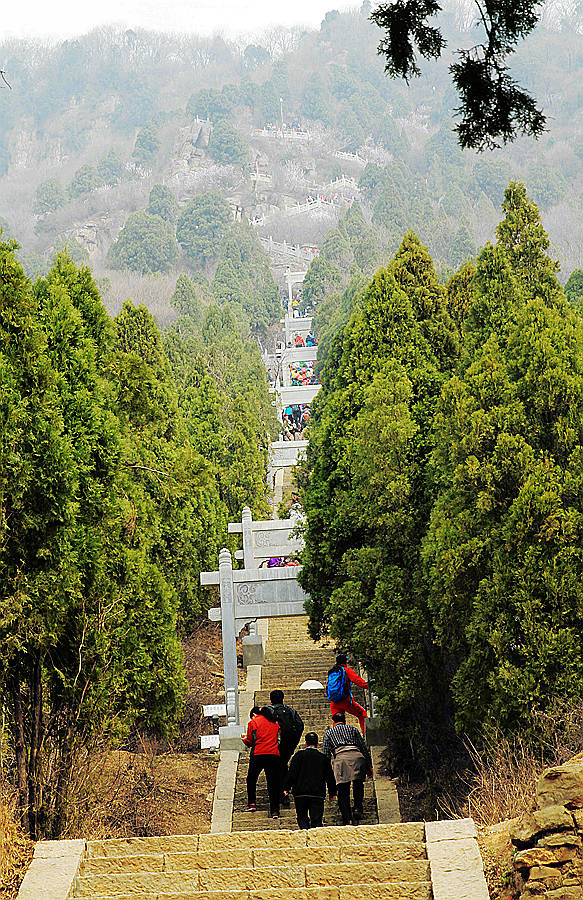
x,y
253,650
230,736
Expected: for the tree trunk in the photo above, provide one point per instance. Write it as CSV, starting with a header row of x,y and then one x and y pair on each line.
x,y
19,746
34,760
61,799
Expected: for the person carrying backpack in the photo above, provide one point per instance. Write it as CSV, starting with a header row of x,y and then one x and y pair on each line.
x,y
291,729
340,677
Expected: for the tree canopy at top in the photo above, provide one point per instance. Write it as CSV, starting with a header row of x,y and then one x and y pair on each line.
x,y
494,108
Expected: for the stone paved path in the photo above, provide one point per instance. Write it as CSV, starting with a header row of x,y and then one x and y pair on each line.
x,y
292,658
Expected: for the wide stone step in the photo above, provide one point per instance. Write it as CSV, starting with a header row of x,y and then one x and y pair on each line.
x,y
417,890
254,878
252,857
319,837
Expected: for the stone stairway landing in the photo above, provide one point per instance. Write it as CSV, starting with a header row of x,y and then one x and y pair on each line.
x,y
364,863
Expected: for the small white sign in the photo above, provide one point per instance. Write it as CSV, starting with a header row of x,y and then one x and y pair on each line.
x,y
210,742
219,709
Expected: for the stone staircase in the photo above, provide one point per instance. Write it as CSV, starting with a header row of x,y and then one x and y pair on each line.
x,y
292,658
338,863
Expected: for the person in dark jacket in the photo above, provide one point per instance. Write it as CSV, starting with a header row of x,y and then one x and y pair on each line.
x,y
308,775
292,728
263,738
351,763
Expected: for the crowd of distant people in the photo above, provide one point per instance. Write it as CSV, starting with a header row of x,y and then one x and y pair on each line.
x,y
295,420
302,374
309,341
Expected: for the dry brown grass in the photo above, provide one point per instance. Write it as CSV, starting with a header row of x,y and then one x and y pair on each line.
x,y
15,850
500,782
156,787
500,785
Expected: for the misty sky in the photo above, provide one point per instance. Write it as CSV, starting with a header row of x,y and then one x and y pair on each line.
x,y
65,18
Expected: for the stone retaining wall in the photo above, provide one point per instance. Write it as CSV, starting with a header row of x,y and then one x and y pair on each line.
x,y
548,839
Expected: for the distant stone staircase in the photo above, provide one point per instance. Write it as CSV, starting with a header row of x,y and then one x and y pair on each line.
x,y
338,863
292,658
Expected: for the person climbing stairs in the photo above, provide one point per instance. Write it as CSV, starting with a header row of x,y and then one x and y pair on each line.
x,y
291,659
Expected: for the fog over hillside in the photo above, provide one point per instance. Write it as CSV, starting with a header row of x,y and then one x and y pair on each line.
x,y
92,124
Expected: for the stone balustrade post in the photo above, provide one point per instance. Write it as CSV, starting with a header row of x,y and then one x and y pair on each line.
x,y
229,636
248,551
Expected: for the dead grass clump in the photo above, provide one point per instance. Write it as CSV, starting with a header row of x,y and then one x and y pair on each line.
x,y
500,782
15,850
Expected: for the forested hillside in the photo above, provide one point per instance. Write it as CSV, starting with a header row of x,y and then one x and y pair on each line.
x,y
111,143
145,181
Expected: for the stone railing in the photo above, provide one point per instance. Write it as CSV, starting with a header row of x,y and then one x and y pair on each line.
x,y
547,840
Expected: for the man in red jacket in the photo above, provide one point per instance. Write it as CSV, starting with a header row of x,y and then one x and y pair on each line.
x,y
263,738
348,704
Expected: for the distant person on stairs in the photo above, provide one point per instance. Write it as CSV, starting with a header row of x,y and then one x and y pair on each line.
x,y
309,773
292,728
263,739
351,763
340,677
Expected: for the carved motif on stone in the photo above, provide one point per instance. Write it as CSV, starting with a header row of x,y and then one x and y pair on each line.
x,y
247,594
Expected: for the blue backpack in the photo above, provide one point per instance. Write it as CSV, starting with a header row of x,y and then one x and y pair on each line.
x,y
337,685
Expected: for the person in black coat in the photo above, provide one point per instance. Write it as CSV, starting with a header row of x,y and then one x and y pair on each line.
x,y
308,774
292,729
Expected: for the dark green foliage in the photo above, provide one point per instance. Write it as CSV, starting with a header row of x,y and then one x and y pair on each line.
x,y
212,104
574,288
243,280
523,238
85,180
202,227
459,294
50,196
72,666
187,298
226,146
463,246
321,278
314,103
443,489
145,244
494,109
147,144
163,203
367,491
179,503
405,27
503,552
111,168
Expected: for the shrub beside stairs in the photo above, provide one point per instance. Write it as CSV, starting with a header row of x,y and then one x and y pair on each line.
x,y
336,863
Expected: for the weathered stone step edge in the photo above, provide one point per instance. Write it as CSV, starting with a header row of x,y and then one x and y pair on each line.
x,y
337,835
253,857
249,878
395,890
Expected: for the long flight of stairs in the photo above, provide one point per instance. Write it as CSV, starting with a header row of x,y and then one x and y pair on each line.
x,y
263,858
380,862
292,658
